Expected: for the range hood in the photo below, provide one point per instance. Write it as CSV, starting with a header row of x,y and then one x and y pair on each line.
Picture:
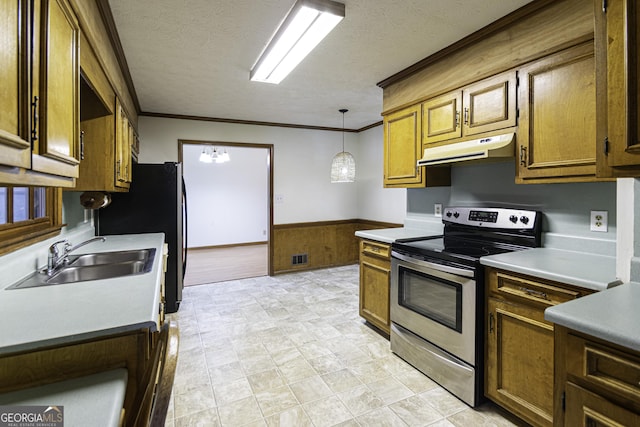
x,y
483,148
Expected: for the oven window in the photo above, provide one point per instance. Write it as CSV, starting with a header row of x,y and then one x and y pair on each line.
x,y
439,300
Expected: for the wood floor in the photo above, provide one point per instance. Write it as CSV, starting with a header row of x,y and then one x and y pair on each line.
x,y
212,265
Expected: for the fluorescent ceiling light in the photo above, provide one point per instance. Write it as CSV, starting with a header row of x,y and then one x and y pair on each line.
x,y
306,24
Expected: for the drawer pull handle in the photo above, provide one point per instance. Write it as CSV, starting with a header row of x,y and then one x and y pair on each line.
x,y
534,293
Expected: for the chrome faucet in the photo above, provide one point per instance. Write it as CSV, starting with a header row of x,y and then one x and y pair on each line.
x,y
55,260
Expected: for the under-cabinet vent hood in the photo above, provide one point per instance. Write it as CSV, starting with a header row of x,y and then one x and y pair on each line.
x,y
483,148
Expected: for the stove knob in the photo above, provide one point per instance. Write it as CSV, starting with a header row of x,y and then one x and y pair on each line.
x,y
456,214
513,219
449,214
524,219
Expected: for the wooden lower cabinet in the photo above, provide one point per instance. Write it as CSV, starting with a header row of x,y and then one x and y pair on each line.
x,y
598,382
519,362
375,273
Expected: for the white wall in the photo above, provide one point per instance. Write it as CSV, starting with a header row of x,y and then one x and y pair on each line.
x,y
374,201
301,166
228,202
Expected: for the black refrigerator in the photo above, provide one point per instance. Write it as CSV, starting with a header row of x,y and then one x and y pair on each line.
x,y
156,202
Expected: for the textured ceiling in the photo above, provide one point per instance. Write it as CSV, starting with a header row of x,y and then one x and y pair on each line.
x,y
193,57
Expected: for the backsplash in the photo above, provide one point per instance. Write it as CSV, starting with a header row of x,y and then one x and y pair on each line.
x,y
566,207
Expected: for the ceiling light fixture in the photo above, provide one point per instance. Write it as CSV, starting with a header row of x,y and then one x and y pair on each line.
x,y
210,155
306,24
343,166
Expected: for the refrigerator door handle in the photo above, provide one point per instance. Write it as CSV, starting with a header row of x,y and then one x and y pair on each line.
x,y
184,229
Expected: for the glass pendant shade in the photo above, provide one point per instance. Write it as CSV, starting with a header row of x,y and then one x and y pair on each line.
x,y
343,168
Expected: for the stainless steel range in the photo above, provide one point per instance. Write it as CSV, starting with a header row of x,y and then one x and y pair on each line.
x,y
437,293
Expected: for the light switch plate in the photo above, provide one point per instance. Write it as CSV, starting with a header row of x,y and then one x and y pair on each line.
x,y
598,221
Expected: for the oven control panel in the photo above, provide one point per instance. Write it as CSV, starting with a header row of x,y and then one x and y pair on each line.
x,y
491,217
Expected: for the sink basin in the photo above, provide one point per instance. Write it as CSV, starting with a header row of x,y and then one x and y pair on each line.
x,y
111,257
96,272
94,266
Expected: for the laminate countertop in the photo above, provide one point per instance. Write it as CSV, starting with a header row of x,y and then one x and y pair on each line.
x,y
585,270
59,314
389,235
611,315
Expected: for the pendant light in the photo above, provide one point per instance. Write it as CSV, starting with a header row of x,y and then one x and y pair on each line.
x,y
343,166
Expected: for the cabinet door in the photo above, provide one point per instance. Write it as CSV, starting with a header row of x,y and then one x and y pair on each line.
x,y
557,131
402,149
15,148
584,408
519,361
619,64
374,291
441,118
489,104
122,148
57,86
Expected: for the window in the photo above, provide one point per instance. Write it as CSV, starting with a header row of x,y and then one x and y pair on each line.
x,y
28,215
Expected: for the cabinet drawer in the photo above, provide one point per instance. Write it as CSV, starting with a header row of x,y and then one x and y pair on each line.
x,y
610,369
542,293
375,249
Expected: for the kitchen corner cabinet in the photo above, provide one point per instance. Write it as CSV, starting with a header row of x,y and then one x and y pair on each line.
x,y
375,273
519,367
39,75
556,134
484,106
618,65
403,149
598,382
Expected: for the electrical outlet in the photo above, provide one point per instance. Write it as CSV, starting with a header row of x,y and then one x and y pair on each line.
x,y
437,209
279,198
599,221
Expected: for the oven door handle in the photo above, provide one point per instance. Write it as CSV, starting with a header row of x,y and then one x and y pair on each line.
x,y
440,267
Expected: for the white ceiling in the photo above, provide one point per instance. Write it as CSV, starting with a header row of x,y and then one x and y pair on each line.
x,y
193,57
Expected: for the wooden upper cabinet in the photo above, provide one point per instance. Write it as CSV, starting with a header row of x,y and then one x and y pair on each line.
x,y
618,64
441,118
556,134
489,104
124,134
402,148
56,89
15,146
39,83
484,106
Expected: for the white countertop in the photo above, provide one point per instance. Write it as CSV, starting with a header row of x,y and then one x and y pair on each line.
x,y
389,235
611,315
58,314
93,400
586,270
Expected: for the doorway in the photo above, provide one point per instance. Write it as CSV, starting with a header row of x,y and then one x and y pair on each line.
x,y
230,214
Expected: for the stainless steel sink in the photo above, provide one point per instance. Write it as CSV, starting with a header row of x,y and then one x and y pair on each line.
x,y
96,272
111,257
94,266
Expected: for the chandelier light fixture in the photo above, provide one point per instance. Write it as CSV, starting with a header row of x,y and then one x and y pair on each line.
x,y
343,166
306,24
211,155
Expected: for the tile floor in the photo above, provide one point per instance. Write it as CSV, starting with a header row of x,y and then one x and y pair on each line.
x,y
291,350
